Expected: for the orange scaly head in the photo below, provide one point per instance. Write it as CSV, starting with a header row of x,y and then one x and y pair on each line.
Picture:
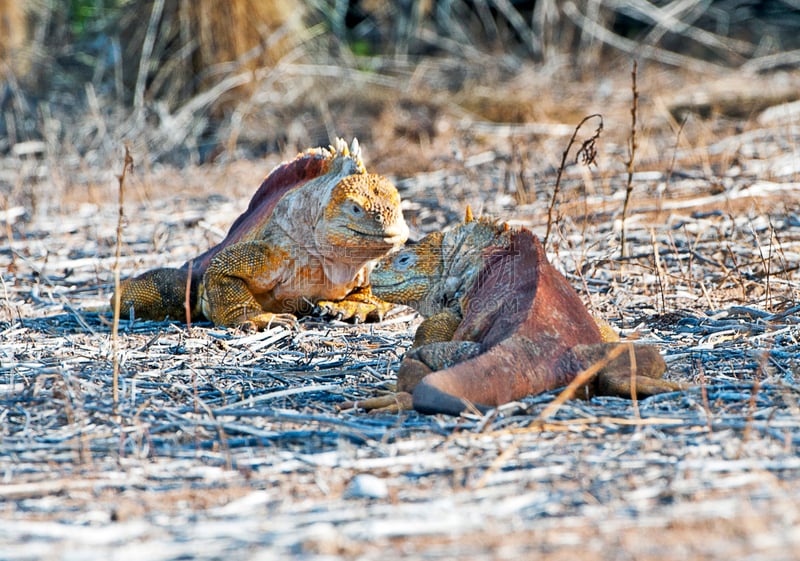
x,y
362,219
409,276
433,275
311,166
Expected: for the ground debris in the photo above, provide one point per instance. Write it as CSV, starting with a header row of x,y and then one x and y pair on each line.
x,y
225,444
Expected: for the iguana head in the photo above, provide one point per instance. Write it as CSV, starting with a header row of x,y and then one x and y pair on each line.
x,y
362,219
412,276
432,275
343,215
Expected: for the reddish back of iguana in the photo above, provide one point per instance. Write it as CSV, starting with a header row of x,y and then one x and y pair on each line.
x,y
525,315
281,180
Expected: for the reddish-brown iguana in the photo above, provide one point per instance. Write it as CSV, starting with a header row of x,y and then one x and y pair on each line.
x,y
309,236
501,323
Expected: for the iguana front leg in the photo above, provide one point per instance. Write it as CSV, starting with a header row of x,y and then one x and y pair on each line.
x,y
359,305
416,364
232,278
438,328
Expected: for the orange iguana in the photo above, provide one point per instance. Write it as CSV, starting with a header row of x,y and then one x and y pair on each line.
x,y
309,236
501,323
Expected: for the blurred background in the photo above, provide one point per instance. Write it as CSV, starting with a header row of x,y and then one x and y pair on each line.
x,y
200,81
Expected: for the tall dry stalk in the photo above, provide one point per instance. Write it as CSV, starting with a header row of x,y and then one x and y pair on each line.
x,y
631,157
126,167
766,264
187,297
657,267
586,154
634,396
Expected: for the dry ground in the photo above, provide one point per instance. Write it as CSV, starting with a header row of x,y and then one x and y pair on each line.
x,y
230,445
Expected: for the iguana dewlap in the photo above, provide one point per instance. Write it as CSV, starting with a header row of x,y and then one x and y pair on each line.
x,y
309,237
501,324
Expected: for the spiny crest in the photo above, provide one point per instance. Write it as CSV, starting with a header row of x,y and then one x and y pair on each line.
x,y
339,157
483,228
479,223
429,252
341,149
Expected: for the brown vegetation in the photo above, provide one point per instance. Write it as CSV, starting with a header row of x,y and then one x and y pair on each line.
x,y
13,33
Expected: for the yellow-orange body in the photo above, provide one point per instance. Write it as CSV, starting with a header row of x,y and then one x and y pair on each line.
x,y
308,239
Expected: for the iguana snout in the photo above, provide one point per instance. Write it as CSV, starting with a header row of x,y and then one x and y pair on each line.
x,y
409,275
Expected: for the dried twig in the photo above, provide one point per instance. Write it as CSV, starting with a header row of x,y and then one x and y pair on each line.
x,y
187,297
586,153
631,156
126,167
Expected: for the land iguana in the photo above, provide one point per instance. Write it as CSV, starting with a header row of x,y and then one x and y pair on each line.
x,y
309,237
500,323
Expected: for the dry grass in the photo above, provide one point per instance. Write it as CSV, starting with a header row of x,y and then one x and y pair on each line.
x,y
225,444
222,444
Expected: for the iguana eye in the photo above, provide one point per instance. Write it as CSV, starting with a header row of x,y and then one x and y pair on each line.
x,y
404,261
356,209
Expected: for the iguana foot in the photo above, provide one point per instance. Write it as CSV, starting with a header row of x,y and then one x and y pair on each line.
x,y
620,385
438,328
264,321
421,361
391,403
635,372
348,310
359,306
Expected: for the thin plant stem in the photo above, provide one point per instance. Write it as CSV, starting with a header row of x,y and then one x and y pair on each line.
x,y
127,166
586,153
631,157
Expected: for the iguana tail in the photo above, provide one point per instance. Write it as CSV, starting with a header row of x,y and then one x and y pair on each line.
x,y
160,294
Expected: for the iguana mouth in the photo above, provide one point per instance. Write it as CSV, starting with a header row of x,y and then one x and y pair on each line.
x,y
404,282
385,236
381,285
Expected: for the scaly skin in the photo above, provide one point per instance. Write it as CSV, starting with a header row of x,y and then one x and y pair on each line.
x,y
501,323
308,239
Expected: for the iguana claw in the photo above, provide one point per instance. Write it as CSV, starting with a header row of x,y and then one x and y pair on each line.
x,y
390,403
359,306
